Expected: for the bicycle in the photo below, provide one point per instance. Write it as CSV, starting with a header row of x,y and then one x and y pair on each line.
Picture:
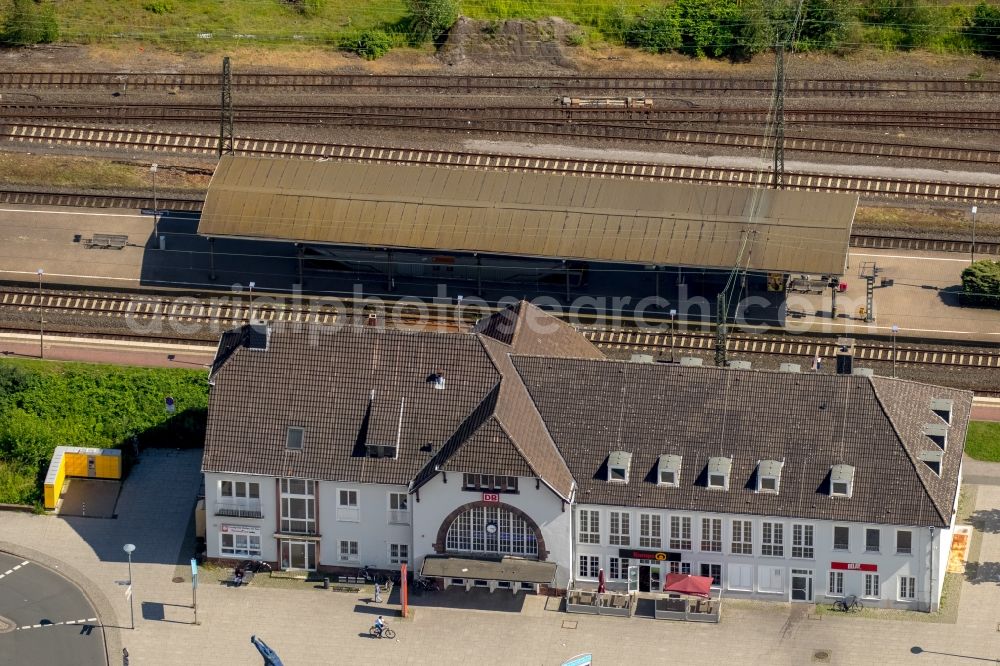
x,y
384,632
848,604
426,585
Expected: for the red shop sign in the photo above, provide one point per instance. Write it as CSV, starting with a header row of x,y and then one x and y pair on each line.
x,y
491,497
853,566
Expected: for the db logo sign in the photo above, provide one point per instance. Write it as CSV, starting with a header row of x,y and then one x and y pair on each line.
x,y
491,497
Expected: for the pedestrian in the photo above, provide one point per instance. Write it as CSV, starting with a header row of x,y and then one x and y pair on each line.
x,y
378,593
817,363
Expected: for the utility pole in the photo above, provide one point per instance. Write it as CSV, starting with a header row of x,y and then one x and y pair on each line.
x,y
778,180
972,257
720,331
41,317
226,124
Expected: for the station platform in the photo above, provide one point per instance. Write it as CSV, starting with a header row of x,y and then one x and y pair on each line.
x,y
922,300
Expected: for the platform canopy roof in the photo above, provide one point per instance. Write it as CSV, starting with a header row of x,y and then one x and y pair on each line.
x,y
490,211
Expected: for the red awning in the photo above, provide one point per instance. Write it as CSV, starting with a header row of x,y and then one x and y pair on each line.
x,y
696,586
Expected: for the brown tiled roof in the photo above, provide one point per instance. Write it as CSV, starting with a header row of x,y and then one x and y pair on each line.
x,y
531,331
809,421
324,383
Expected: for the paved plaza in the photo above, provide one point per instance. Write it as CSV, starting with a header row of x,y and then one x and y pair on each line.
x,y
307,625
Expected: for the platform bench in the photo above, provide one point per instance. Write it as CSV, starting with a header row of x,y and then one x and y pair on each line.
x,y
116,241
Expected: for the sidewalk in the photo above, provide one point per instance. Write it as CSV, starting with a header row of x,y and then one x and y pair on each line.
x,y
312,626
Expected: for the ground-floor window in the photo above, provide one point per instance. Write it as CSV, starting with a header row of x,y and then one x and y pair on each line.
x,y
871,585
835,587
714,571
348,551
399,553
771,579
680,567
618,568
246,545
590,566
492,529
740,577
907,588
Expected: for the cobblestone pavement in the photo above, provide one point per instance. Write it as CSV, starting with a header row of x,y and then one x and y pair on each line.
x,y
309,626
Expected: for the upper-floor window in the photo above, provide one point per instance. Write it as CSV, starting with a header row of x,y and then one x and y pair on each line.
x,y
742,537
802,541
489,483
904,542
590,526
239,498
680,533
298,506
711,535
841,537
873,536
772,539
399,509
347,505
649,530
618,528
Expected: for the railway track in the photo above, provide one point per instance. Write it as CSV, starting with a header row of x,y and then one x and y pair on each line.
x,y
221,313
203,144
364,83
805,348
535,122
85,200
647,116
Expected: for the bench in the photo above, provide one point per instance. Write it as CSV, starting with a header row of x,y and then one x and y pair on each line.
x,y
232,582
116,241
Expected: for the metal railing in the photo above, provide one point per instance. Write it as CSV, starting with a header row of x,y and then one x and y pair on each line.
x,y
246,508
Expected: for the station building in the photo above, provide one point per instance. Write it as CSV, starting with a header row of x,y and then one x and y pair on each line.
x,y
517,457
565,235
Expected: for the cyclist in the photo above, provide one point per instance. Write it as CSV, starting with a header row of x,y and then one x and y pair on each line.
x,y
379,625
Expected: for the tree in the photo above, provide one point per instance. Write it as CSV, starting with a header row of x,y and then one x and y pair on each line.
x,y
823,25
981,284
431,19
984,29
708,27
30,22
656,30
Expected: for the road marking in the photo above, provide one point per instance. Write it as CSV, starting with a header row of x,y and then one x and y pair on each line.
x,y
85,620
901,256
13,569
71,212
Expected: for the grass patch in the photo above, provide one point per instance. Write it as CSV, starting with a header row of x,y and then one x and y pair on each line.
x,y
90,173
983,441
45,404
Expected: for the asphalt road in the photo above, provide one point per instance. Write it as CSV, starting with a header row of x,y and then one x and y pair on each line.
x,y
36,607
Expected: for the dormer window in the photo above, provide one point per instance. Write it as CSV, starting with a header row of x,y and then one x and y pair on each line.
x,y
669,470
841,481
618,464
769,476
718,472
933,460
436,379
937,433
293,441
943,408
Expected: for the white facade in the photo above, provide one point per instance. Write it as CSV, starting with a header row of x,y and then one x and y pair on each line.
x,y
784,559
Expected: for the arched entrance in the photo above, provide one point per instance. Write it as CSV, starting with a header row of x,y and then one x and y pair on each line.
x,y
490,528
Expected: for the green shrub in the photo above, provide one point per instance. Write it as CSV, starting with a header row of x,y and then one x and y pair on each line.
x,y
576,39
981,284
30,22
901,23
431,19
158,7
656,30
370,44
823,25
983,30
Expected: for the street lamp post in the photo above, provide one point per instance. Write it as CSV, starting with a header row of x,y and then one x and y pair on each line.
x,y
895,330
250,312
673,313
156,207
41,317
972,255
128,548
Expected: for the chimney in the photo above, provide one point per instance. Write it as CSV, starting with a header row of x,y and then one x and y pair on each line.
x,y
845,356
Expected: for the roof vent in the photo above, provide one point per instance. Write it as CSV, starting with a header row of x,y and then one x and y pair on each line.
x,y
943,408
641,358
436,379
863,372
691,361
618,464
938,433
845,355
739,365
790,367
933,460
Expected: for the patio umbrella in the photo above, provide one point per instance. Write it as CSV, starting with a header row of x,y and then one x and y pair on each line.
x,y
695,586
600,582
270,656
